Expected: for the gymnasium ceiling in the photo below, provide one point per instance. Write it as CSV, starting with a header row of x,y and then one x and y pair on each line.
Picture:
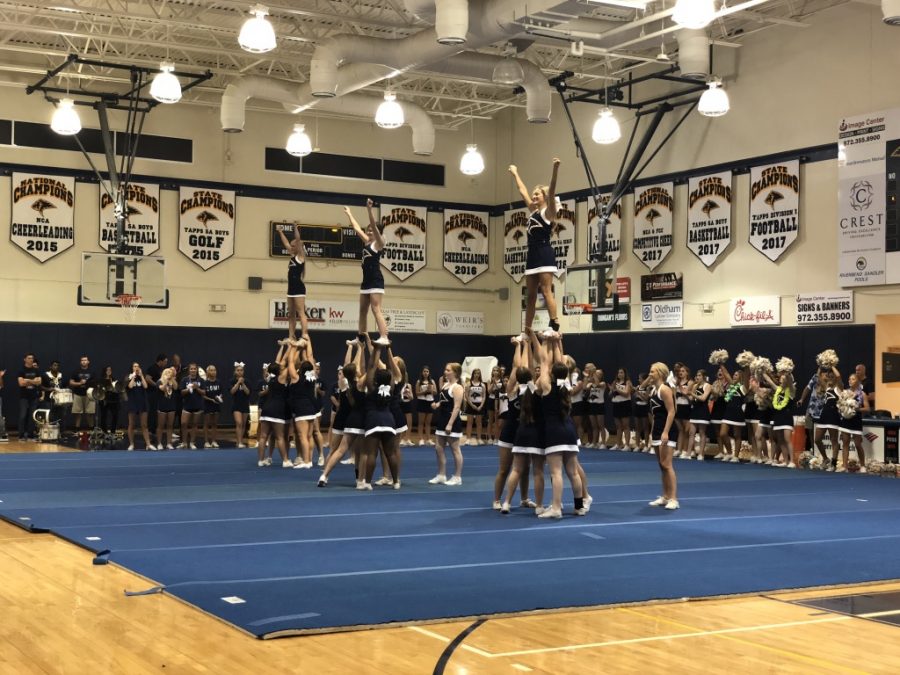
x,y
202,34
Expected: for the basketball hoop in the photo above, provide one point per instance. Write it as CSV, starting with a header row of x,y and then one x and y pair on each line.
x,y
130,304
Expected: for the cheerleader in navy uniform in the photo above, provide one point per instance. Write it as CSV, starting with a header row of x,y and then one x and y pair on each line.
x,y
783,397
191,406
350,421
829,385
165,413
371,290
664,433
494,389
682,388
595,390
212,406
407,397
699,392
475,398
540,265
302,388
447,425
273,410
622,391
240,402
296,291
560,438
138,383
380,422
851,424
733,416
515,462
318,441
641,410
426,390
717,412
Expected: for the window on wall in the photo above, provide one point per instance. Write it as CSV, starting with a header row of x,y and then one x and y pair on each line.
x,y
5,132
348,166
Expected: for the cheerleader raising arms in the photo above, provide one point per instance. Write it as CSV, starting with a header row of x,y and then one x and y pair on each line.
x,y
513,469
371,291
304,410
785,393
296,293
274,410
541,261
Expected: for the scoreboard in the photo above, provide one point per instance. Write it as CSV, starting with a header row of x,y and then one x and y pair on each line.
x,y
325,242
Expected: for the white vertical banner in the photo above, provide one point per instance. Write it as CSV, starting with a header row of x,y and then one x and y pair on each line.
x,y
141,219
43,214
868,160
774,207
562,237
404,239
515,242
653,223
709,216
206,225
613,232
466,254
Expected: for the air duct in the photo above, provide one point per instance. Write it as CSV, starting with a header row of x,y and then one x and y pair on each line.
x,y
693,53
890,9
451,21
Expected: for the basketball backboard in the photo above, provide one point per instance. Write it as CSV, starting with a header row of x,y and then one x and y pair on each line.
x,y
587,289
105,276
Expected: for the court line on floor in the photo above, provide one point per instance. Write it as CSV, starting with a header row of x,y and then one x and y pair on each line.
x,y
541,528
530,561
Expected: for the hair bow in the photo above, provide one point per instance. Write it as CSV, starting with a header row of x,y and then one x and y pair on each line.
x,y
238,364
563,383
384,390
310,376
266,365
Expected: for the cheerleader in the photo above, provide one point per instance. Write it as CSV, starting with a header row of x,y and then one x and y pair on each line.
x,y
448,427
273,410
576,397
494,388
596,387
212,405
560,439
540,265
165,411
717,411
752,417
350,421
425,391
302,398
622,391
733,416
851,426
109,406
192,393
641,410
393,457
829,420
664,433
762,397
682,388
513,469
335,399
699,393
475,398
240,402
138,383
380,422
407,397
371,290
785,392
318,440
296,291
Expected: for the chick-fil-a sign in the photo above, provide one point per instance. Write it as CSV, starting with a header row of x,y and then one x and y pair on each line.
x,y
757,310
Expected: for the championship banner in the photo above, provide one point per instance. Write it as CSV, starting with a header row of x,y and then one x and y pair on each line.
x,y
709,216
613,232
868,162
774,207
404,239
43,214
206,225
653,223
141,219
562,238
515,243
466,254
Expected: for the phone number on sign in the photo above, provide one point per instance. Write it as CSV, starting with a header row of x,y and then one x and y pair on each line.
x,y
862,139
824,317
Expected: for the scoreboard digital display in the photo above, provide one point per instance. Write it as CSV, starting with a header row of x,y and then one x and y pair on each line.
x,y
324,242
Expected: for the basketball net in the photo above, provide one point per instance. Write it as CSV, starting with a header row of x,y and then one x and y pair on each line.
x,y
129,304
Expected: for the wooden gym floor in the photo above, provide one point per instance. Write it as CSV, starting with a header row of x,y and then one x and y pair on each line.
x,y
61,614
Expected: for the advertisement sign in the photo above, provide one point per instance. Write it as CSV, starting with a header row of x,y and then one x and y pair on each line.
x,y
618,320
404,239
460,322
653,206
774,207
342,315
759,310
206,225
665,286
833,307
709,216
43,214
662,314
466,254
141,219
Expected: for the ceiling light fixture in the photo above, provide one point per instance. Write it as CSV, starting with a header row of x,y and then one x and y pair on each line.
x,y
714,101
298,143
694,13
165,87
65,119
389,114
257,35
472,163
606,128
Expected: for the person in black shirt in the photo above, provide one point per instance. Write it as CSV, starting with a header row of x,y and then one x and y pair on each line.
x,y
29,393
51,381
82,404
867,385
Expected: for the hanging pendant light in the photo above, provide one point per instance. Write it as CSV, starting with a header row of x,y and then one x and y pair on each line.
x,y
606,128
694,13
65,119
389,114
257,35
508,72
472,163
298,143
714,101
165,87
